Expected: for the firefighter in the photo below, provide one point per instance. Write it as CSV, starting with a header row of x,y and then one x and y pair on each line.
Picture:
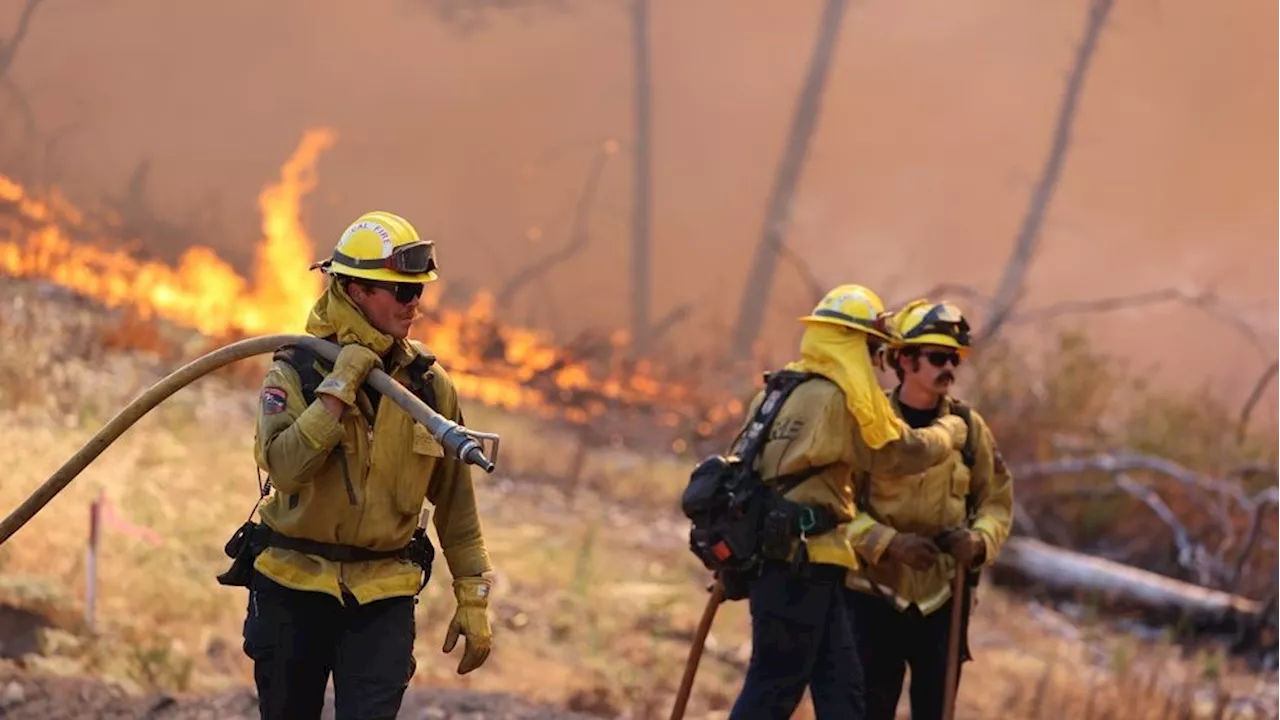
x,y
901,595
828,428
335,590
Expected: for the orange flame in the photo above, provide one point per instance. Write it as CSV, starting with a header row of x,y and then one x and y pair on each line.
x,y
515,368
203,291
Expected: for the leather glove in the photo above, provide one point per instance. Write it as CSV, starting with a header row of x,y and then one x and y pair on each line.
x,y
958,428
471,619
966,546
349,371
915,551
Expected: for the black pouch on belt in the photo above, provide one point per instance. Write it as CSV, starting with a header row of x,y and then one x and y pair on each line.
x,y
422,553
242,551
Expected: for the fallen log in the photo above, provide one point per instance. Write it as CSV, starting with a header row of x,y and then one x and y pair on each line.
x,y
1161,599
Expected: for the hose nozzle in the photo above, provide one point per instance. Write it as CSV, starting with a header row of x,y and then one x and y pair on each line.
x,y
469,446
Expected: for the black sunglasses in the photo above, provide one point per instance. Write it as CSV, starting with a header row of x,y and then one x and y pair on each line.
x,y
405,292
940,358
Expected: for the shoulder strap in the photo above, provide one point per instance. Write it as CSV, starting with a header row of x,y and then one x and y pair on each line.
x,y
304,362
969,452
422,379
312,368
778,386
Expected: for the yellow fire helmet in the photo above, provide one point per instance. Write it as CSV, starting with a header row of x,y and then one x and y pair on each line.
x,y
923,322
851,306
382,246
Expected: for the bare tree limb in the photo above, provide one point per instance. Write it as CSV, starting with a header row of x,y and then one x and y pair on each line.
x,y
9,48
1255,396
29,129
1191,555
1205,301
674,316
1099,305
755,291
1250,539
1113,463
642,181
579,234
1024,247
811,281
947,289
467,16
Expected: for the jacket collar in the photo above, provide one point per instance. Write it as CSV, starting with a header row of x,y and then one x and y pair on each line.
x,y
336,315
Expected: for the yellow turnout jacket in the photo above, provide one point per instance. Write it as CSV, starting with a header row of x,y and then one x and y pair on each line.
x,y
371,494
927,502
815,428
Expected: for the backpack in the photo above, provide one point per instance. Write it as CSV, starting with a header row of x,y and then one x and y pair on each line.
x,y
729,503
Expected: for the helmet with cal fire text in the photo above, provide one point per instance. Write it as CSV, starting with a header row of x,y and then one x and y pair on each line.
x,y
382,246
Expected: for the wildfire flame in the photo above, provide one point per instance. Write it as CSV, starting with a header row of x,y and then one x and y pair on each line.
x,y
48,238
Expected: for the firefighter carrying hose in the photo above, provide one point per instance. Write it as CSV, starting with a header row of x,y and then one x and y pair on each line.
x,y
913,527
834,422
335,567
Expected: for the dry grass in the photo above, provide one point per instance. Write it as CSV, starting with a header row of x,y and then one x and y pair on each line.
x,y
596,593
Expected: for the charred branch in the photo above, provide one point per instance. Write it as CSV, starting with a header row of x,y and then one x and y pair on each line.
x,y
1255,396
812,283
9,48
1192,555
642,180
579,234
1011,284
467,16
674,317
1102,305
1213,496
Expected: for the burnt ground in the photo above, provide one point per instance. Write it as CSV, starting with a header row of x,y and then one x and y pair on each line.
x,y
25,696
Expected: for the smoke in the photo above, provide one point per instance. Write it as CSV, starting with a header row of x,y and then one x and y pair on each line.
x,y
935,121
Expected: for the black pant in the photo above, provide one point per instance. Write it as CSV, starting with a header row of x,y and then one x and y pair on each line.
x,y
296,639
801,636
888,641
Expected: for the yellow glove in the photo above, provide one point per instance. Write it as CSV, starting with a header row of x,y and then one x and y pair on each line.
x,y
353,365
958,428
472,620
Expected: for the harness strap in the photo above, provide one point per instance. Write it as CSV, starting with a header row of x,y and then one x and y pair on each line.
x,y
312,368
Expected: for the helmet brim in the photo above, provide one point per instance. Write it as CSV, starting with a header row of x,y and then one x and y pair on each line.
x,y
934,339
841,323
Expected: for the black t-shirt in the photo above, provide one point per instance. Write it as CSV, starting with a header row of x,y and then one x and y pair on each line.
x,y
918,418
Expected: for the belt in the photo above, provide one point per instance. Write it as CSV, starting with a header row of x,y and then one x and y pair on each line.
x,y
264,536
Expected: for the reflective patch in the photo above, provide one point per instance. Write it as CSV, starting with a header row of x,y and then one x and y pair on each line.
x,y
999,463
273,400
330,384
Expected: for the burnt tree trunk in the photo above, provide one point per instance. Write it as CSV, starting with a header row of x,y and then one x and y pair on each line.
x,y
1024,247
755,293
642,182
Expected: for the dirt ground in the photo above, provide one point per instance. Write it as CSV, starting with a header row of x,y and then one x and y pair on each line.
x,y
42,697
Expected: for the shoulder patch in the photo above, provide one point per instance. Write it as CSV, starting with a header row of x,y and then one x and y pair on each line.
x,y
274,400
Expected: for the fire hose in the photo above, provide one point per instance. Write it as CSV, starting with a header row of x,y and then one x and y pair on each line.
x,y
465,444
